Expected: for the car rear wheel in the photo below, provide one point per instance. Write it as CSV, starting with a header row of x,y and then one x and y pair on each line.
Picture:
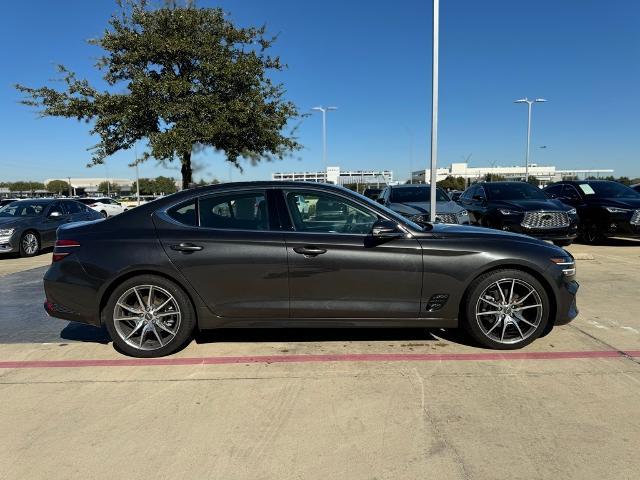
x,y
29,244
149,316
506,309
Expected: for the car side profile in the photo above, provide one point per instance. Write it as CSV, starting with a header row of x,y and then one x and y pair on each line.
x,y
522,208
606,208
27,226
247,255
107,207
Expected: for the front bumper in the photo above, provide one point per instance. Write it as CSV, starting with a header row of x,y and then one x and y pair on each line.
x,y
567,307
566,233
621,229
8,243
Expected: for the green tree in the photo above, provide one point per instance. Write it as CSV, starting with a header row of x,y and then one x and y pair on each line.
x,y
493,177
183,79
147,186
453,183
58,186
109,187
164,185
26,186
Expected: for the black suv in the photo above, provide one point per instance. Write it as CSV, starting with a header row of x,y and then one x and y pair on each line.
x,y
606,209
522,208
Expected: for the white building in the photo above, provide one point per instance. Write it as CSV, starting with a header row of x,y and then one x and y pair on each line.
x,y
338,177
544,173
90,185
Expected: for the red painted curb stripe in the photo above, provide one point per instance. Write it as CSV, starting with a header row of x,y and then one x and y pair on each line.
x,y
365,357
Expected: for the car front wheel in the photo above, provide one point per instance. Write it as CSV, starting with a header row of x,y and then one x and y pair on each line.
x,y
506,309
149,316
29,244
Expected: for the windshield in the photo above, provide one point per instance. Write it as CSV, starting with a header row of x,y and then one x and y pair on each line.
x,y
416,194
607,190
514,191
21,209
390,213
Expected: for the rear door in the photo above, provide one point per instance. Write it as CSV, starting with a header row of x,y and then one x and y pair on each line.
x,y
229,247
50,224
337,270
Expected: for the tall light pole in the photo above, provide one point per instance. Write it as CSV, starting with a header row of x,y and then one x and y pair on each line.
x,y
434,111
324,111
529,104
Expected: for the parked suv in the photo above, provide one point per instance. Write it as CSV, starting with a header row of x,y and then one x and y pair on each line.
x,y
520,207
412,201
606,209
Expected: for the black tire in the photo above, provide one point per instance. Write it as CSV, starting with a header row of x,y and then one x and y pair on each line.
x,y
27,244
185,324
562,243
479,285
591,234
104,214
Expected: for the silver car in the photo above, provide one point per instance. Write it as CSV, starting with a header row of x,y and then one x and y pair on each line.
x,y
412,201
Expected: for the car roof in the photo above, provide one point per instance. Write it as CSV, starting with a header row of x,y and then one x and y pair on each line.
x,y
38,200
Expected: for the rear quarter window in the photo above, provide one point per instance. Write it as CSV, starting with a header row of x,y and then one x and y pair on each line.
x,y
185,213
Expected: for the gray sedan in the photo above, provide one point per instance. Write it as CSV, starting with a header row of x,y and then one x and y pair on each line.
x,y
27,226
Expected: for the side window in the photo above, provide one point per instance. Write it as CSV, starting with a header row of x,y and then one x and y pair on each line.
x,y
554,190
467,194
569,191
185,213
326,213
481,193
235,211
56,207
73,207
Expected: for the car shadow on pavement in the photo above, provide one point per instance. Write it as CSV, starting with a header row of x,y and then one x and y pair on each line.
x,y
361,334
81,332
615,242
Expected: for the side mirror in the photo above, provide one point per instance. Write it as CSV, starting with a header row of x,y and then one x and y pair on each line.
x,y
55,214
477,198
385,229
380,200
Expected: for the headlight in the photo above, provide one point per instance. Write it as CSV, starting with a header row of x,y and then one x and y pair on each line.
x,y
504,211
6,232
573,211
616,210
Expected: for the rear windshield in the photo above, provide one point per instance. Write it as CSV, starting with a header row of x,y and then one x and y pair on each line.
x,y
514,191
416,194
22,209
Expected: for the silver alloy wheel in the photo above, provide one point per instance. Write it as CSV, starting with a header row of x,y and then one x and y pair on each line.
x,y
509,311
147,317
30,244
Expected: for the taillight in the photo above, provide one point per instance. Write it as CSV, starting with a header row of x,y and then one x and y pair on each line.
x,y
57,256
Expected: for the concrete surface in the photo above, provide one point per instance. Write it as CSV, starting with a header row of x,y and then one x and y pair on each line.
x,y
487,418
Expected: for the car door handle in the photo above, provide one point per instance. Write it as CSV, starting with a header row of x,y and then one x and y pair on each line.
x,y
310,251
186,247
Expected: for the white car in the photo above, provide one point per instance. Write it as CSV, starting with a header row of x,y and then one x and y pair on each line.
x,y
107,207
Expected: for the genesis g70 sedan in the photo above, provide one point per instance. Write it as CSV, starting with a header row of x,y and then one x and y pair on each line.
x,y
249,255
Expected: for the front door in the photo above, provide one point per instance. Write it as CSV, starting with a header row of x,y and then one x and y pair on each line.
x,y
337,270
227,247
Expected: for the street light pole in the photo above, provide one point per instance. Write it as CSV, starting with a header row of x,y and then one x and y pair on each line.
x,y
434,111
324,111
529,104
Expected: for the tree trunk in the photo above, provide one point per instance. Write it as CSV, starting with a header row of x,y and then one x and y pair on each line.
x,y
186,171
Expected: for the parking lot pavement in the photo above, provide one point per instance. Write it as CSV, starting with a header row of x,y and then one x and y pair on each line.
x,y
12,263
350,413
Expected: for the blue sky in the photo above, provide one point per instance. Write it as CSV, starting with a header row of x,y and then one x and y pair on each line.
x,y
372,59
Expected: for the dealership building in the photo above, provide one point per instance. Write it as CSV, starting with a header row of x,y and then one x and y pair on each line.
x,y
337,176
544,173
89,186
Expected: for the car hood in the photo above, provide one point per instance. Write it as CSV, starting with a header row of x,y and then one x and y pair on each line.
x,y
529,205
615,202
415,208
486,234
